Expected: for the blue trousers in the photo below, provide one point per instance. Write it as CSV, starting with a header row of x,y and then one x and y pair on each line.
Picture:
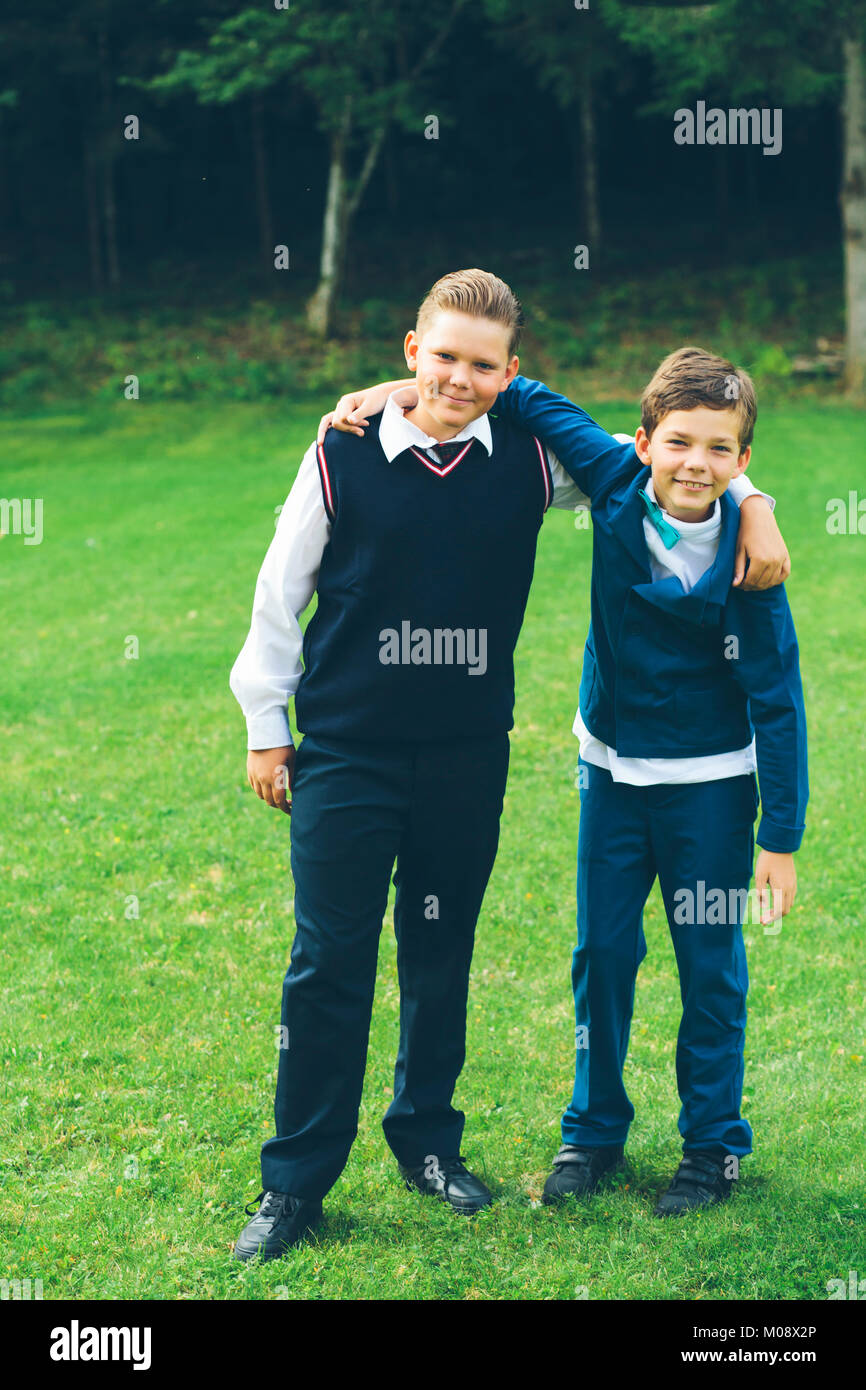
x,y
357,807
695,838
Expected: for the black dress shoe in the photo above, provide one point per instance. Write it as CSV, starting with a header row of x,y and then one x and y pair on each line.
x,y
578,1171
280,1222
450,1179
698,1182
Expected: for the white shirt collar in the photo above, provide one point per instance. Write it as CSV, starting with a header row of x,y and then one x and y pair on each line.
x,y
396,433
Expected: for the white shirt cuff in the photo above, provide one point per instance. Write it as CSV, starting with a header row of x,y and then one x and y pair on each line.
x,y
740,488
269,731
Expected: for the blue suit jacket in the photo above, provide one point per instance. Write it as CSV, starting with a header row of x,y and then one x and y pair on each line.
x,y
668,674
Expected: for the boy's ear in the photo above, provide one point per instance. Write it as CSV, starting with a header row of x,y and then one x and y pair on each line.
x,y
410,350
510,373
642,446
742,461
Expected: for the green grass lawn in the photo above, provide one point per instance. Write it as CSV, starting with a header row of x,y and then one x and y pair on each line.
x,y
139,1052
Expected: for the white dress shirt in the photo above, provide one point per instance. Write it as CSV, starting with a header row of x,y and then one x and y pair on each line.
x,y
268,668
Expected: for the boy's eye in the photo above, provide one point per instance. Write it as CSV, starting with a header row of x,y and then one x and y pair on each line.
x,y
722,449
449,357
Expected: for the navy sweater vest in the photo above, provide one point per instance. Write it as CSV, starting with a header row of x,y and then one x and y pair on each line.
x,y
422,589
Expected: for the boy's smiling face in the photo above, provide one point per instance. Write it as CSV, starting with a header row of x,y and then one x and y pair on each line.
x,y
694,455
461,363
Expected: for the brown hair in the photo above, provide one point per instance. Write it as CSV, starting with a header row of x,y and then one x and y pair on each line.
x,y
692,377
475,292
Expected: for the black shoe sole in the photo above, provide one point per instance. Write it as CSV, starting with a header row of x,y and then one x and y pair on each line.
x,y
555,1199
284,1248
469,1210
687,1211
552,1199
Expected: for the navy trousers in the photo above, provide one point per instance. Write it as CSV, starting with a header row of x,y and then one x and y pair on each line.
x,y
696,838
357,807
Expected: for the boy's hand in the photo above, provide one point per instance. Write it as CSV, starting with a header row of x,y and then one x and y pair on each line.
x,y
776,872
270,772
343,416
351,411
760,542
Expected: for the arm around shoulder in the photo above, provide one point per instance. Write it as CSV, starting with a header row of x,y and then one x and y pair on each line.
x,y
592,457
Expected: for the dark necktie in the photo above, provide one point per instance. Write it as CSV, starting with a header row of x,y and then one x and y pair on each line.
x,y
447,452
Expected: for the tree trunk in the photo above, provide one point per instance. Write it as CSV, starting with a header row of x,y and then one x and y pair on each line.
x,y
853,202
106,146
322,307
723,202
752,207
340,209
392,184
263,200
109,213
90,194
589,163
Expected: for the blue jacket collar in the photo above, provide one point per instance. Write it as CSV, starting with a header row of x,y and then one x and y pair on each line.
x,y
625,518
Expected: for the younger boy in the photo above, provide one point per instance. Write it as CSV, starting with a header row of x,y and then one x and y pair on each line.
x,y
687,682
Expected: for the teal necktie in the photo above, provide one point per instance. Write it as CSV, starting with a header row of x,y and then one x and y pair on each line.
x,y
669,534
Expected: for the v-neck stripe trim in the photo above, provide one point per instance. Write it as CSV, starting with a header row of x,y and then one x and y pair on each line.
x,y
440,472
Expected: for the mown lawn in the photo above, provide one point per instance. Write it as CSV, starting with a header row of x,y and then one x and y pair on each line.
x,y
139,1051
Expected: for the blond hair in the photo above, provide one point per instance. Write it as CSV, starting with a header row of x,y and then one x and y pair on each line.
x,y
478,293
692,377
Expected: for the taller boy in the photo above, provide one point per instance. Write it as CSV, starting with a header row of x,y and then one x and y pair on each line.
x,y
422,555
